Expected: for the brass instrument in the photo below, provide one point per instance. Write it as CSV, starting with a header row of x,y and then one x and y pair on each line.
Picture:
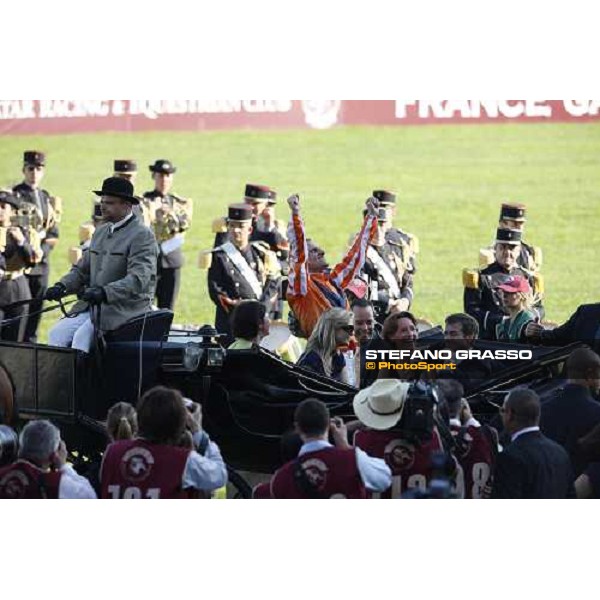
x,y
166,225
28,216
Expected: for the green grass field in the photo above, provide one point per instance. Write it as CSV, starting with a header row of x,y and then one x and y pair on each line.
x,y
450,180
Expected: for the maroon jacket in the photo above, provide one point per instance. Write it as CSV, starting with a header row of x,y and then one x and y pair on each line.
x,y
134,469
23,480
327,473
476,456
410,463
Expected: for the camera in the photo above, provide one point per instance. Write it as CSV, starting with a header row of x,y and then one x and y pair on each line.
x,y
9,445
417,420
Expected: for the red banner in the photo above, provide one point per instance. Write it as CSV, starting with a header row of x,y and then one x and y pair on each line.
x,y
72,116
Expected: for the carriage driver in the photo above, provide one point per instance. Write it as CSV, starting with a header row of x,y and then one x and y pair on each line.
x,y
117,275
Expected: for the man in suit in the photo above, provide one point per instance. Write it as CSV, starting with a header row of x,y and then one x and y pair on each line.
x,y
574,412
532,466
44,214
582,326
116,277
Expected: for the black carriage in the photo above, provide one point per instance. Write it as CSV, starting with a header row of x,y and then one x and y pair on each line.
x,y
248,396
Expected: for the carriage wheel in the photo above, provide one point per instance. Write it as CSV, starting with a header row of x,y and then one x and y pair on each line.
x,y
7,398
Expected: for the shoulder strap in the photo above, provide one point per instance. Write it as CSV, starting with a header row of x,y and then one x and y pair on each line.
x,y
243,267
385,271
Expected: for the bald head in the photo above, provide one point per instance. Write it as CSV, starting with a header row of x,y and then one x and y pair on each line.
x,y
521,409
583,368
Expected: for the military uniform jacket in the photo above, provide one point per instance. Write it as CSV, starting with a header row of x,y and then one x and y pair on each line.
x,y
27,194
380,292
123,263
15,258
408,243
176,222
483,302
224,279
19,257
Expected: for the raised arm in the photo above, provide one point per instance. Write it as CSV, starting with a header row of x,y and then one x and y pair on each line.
x,y
351,265
298,275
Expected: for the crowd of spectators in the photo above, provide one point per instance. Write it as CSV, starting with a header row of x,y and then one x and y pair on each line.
x,y
412,436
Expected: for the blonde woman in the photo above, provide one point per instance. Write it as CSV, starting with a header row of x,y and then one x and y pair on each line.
x,y
517,300
323,353
121,422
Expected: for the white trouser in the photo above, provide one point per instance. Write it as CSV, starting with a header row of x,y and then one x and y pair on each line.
x,y
77,333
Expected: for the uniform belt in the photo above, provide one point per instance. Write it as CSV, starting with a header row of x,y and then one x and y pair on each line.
x,y
10,275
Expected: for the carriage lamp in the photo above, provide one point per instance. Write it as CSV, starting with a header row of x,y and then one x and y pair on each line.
x,y
215,357
192,355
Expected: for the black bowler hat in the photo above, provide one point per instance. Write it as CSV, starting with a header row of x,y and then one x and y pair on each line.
x,y
508,236
239,212
119,187
385,197
125,165
7,198
33,157
163,166
260,192
513,212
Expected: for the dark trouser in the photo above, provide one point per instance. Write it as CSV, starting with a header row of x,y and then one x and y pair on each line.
x,y
14,290
167,287
38,284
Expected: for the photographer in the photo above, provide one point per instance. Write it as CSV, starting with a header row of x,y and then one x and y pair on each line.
x,y
41,470
159,463
397,424
20,250
323,470
476,445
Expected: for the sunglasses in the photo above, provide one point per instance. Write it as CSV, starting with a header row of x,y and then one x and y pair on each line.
x,y
347,328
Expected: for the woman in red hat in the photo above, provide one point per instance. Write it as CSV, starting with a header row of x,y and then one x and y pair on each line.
x,y
517,300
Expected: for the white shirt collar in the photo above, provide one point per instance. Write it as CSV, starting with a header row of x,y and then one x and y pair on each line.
x,y
314,446
522,431
113,226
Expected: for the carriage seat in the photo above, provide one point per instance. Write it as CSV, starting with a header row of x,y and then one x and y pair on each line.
x,y
156,328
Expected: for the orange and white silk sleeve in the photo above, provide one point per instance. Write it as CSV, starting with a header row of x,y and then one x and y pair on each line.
x,y
350,266
298,275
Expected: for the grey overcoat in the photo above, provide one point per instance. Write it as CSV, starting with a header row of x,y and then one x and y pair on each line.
x,y
124,264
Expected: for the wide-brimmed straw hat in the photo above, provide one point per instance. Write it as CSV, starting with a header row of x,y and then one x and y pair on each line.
x,y
380,406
